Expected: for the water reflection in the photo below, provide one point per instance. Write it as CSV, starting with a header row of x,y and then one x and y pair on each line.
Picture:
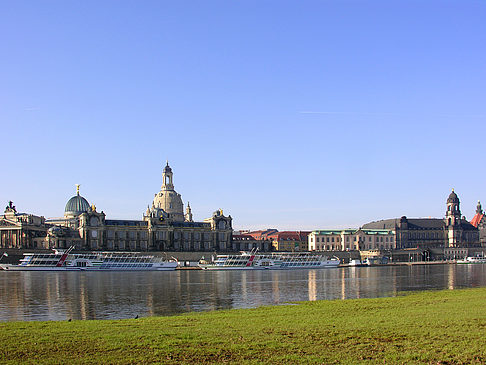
x,y
91,295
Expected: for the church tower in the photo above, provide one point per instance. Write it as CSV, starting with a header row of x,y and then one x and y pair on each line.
x,y
188,216
167,203
453,220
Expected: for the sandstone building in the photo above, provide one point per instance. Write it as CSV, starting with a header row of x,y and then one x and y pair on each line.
x,y
164,227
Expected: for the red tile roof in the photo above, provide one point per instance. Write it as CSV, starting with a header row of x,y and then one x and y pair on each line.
x,y
290,235
262,234
477,219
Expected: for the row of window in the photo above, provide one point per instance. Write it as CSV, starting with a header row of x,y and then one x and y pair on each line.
x,y
427,235
361,247
355,238
144,234
123,234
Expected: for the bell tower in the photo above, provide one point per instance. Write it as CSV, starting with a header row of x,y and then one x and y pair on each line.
x,y
453,220
453,213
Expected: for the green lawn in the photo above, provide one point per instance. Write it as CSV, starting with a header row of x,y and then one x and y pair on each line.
x,y
436,327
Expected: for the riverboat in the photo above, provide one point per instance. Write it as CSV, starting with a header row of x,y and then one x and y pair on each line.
x,y
472,260
92,261
273,261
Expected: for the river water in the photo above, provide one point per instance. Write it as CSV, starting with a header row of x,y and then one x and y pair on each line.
x,y
36,296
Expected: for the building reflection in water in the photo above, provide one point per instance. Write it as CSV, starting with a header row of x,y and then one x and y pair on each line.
x,y
451,276
275,286
312,285
91,295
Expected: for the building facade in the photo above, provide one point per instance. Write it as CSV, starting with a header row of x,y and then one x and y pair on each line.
x,y
289,241
352,239
21,230
453,234
164,227
246,242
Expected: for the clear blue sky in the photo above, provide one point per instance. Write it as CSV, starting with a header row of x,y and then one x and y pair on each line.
x,y
286,114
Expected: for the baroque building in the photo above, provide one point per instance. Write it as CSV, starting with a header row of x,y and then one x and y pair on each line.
x,y
21,230
454,234
164,227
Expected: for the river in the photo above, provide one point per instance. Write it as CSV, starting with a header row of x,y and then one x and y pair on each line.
x,y
40,296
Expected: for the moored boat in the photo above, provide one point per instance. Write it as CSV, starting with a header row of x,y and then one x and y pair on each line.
x,y
472,260
355,263
92,261
273,261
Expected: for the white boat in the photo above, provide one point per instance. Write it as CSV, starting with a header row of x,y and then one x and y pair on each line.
x,y
273,261
472,260
92,261
356,263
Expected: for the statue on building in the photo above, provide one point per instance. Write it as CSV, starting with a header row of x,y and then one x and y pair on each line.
x,y
10,208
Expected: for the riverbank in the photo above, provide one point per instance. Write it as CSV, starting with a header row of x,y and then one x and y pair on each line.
x,y
426,327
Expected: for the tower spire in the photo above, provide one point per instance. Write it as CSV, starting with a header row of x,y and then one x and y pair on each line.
x,y
188,216
77,188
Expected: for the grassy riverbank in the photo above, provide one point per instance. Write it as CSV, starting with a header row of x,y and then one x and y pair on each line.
x,y
439,327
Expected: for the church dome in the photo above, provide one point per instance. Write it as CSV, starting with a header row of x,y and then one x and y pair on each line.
x,y
453,197
76,205
167,199
171,203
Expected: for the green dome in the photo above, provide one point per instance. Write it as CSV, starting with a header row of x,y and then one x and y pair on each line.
x,y
76,205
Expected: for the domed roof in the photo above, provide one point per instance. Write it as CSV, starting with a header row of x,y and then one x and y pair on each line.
x,y
453,197
76,205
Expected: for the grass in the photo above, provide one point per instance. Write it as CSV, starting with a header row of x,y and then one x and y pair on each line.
x,y
433,327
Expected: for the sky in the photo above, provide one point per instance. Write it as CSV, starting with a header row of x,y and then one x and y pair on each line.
x,y
295,115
